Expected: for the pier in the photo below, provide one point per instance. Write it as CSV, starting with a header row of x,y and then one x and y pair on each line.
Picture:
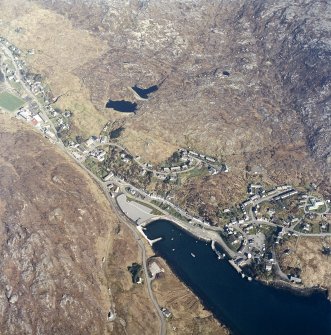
x,y
151,242
219,254
235,266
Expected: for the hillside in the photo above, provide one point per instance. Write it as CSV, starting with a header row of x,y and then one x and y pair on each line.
x,y
248,79
56,227
244,81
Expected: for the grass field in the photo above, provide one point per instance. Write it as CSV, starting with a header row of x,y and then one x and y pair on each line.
x,y
10,102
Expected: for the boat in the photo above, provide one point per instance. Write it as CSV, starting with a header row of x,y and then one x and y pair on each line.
x,y
192,254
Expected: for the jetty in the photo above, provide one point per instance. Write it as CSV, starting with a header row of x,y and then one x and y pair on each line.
x,y
235,266
151,242
219,254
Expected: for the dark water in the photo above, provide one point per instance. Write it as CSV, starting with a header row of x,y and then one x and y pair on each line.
x,y
116,132
122,106
247,308
143,92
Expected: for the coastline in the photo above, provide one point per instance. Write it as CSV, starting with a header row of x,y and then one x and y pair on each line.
x,y
178,224
277,283
174,273
315,293
303,290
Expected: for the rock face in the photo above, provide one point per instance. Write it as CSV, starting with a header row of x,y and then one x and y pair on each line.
x,y
306,254
296,36
51,278
64,254
245,80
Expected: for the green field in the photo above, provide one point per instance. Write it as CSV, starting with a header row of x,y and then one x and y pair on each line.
x,y
10,102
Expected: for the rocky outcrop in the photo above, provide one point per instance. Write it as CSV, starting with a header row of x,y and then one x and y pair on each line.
x,y
244,77
51,276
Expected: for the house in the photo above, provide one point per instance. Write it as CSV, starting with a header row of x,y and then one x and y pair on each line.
x,y
183,151
270,257
287,194
193,153
110,186
25,114
255,197
283,187
246,203
249,227
315,204
77,155
306,227
294,279
34,122
91,141
271,192
166,312
209,159
190,162
324,226
184,158
67,113
38,118
101,156
155,269
103,139
268,267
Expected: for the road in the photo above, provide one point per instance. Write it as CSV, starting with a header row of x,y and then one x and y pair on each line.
x,y
140,242
253,220
201,231
288,229
8,53
123,219
277,268
143,166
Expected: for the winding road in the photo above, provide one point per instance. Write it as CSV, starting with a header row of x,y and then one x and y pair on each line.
x,y
201,230
143,166
122,218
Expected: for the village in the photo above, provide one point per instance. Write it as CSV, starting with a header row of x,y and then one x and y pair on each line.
x,y
266,219
248,232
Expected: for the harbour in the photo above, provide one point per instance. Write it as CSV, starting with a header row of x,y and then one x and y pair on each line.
x,y
246,307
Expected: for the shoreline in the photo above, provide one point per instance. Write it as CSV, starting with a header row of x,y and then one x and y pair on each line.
x,y
277,284
201,301
178,224
303,291
219,320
